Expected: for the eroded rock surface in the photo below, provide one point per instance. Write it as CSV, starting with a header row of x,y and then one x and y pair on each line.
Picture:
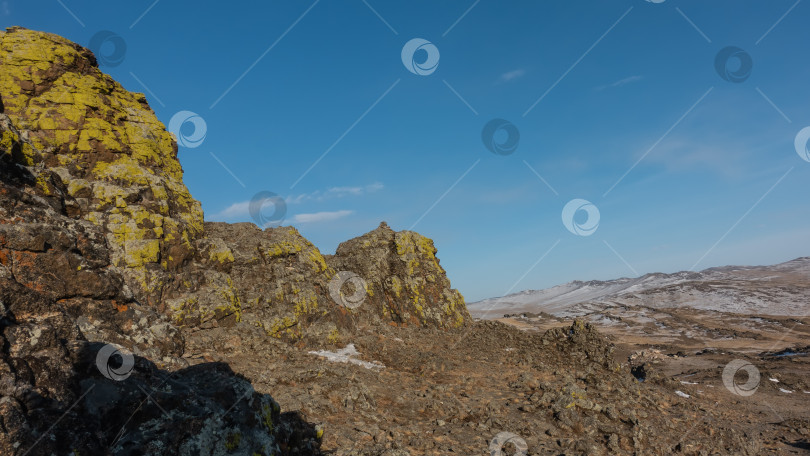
x,y
114,157
247,283
405,282
101,243
61,302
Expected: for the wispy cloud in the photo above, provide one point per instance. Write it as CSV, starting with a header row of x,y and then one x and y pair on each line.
x,y
235,210
511,75
316,217
621,82
241,210
5,8
334,192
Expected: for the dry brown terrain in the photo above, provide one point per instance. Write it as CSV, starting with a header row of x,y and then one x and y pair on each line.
x,y
697,363
453,392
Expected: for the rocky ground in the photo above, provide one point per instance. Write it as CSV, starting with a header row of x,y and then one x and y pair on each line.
x,y
694,331
565,391
776,410
129,326
562,392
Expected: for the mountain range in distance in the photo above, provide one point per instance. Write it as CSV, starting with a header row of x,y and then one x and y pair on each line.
x,y
778,290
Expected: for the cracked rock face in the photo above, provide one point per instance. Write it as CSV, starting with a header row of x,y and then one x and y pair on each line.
x,y
119,166
115,158
101,243
246,284
61,302
403,277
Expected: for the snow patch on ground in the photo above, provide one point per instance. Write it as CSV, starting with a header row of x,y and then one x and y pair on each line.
x,y
347,354
682,394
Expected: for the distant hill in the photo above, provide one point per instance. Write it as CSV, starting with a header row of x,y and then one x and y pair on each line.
x,y
782,289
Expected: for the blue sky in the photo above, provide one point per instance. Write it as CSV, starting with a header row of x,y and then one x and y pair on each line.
x,y
592,87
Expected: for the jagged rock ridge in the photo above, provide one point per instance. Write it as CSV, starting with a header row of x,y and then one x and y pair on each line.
x,y
101,242
58,293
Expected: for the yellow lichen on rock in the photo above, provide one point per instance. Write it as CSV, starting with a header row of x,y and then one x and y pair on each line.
x,y
103,154
405,281
113,154
139,252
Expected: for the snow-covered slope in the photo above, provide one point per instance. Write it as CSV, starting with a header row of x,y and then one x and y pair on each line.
x,y
782,289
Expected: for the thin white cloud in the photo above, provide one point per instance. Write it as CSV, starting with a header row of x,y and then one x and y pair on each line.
x,y
5,7
621,82
334,192
241,210
511,75
235,210
316,217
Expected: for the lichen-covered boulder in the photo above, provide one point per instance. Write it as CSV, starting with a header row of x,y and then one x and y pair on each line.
x,y
61,304
115,158
105,158
67,260
404,280
248,283
263,283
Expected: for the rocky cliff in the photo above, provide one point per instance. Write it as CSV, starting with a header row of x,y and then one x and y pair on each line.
x,y
404,280
105,145
119,167
68,327
102,243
